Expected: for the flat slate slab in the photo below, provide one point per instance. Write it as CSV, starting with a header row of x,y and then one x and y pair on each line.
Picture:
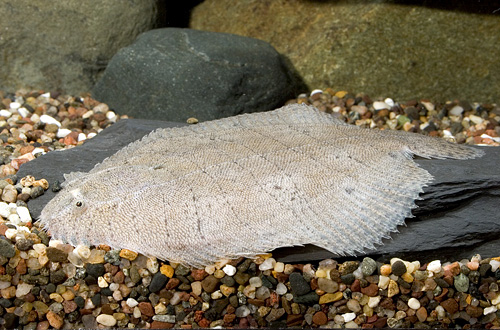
x,y
457,216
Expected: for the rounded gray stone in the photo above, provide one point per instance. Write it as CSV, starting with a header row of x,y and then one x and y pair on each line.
x,y
174,74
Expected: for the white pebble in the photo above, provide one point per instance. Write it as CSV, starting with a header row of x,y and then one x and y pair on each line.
x,y
379,105
111,115
441,312
210,269
101,282
14,105
88,114
476,119
229,270
46,95
114,286
434,266
23,112
316,91
256,282
349,316
4,210
428,105
242,311
23,289
279,267
447,133
489,310
389,102
46,119
413,303
131,302
137,312
39,248
91,135
267,264
106,320
281,289
24,214
494,265
38,151
383,282
5,113
10,233
152,265
358,273
216,295
82,251
4,284
62,132
456,111
82,137
117,295
373,301
494,138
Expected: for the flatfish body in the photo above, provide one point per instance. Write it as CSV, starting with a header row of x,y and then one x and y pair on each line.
x,y
246,185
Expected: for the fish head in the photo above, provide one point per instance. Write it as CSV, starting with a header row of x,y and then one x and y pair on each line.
x,y
78,212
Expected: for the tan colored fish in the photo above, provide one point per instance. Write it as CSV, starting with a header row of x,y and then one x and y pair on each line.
x,y
248,184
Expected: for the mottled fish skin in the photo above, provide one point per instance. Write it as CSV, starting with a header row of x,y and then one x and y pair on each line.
x,y
248,184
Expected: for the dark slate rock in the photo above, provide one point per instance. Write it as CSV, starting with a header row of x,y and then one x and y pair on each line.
x,y
95,270
456,218
158,282
310,298
298,284
7,249
177,73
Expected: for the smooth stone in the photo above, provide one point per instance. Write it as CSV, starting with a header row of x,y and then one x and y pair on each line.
x,y
250,76
298,284
158,282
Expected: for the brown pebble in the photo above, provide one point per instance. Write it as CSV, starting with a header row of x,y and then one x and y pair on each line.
x,y
69,306
450,305
119,277
146,308
161,325
380,323
21,267
172,283
371,290
26,149
56,255
474,311
294,320
229,318
356,286
320,318
54,319
421,314
210,283
198,274
43,325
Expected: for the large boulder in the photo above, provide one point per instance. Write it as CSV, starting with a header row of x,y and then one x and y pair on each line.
x,y
173,74
457,217
65,45
377,47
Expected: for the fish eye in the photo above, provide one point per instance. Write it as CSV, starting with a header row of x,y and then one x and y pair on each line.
x,y
78,204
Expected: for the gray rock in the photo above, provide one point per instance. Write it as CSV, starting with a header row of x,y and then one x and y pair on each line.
x,y
299,285
371,46
457,216
7,249
176,74
66,44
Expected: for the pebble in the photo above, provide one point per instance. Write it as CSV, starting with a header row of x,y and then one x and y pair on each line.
x,y
106,320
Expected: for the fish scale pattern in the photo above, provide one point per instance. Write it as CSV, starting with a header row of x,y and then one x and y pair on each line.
x,y
248,184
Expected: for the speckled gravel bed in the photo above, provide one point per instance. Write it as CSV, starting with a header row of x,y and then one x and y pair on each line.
x,y
45,283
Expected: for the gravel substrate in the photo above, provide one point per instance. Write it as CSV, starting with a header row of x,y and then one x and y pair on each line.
x,y
45,283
